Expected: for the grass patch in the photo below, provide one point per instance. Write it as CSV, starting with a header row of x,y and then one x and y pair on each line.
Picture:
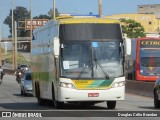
x,y
20,58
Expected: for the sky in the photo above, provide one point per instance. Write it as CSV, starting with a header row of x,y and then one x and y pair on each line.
x,y
109,7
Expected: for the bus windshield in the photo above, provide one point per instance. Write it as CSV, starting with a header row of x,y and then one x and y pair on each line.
x,y
150,61
91,59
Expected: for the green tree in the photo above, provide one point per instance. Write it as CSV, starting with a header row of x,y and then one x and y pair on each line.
x,y
49,16
19,14
41,17
50,13
132,28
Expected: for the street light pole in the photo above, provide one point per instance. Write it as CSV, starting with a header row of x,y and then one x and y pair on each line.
x,y
30,29
15,38
100,7
13,51
0,41
54,9
0,46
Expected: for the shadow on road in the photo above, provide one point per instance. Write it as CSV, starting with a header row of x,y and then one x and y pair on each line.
x,y
82,107
149,107
23,106
19,95
35,106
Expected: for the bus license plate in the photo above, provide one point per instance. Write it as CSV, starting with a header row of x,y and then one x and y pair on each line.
x,y
93,94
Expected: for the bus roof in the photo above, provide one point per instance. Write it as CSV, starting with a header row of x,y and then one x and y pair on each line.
x,y
76,20
87,20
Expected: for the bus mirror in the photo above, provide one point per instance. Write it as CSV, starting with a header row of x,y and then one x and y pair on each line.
x,y
56,46
127,43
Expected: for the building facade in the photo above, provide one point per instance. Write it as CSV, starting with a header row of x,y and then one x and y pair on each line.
x,y
149,9
149,21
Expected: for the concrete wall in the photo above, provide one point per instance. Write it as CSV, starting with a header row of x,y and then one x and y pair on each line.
x,y
140,88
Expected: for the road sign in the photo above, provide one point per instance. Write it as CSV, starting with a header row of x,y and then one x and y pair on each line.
x,y
35,23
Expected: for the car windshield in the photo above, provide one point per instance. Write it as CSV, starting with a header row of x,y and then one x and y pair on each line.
x,y
23,66
28,77
91,60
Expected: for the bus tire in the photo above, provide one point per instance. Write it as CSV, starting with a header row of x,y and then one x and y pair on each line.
x,y
111,104
53,95
156,101
39,99
129,76
57,104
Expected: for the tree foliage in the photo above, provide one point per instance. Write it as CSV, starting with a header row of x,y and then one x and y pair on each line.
x,y
42,17
49,16
132,28
19,14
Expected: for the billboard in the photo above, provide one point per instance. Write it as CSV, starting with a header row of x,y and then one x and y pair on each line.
x,y
35,23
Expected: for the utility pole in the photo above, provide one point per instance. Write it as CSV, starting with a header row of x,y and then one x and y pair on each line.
x,y
30,29
13,49
0,41
15,37
100,7
54,9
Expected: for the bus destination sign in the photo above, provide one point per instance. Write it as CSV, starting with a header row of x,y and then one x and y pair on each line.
x,y
150,44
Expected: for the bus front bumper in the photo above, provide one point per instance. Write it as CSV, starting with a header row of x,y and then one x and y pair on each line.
x,y
69,95
145,78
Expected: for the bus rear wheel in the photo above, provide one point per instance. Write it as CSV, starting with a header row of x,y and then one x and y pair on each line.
x,y
39,99
111,104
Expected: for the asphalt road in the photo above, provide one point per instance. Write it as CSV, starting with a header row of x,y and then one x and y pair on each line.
x,y
10,100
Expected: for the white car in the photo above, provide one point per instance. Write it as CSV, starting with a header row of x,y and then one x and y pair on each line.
x,y
26,84
157,94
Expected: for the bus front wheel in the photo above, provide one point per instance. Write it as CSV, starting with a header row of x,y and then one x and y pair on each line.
x,y
111,104
57,104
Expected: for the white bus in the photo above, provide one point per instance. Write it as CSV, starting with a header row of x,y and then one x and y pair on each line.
x,y
79,60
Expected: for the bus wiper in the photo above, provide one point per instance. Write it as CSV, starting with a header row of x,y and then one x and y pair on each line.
x,y
82,71
99,64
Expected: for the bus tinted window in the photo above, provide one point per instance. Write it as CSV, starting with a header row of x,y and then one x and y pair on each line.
x,y
90,31
150,61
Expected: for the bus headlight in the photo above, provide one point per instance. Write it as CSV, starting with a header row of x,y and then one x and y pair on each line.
x,y
118,84
67,85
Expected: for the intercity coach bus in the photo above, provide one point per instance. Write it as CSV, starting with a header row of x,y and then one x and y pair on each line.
x,y
147,59
79,60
